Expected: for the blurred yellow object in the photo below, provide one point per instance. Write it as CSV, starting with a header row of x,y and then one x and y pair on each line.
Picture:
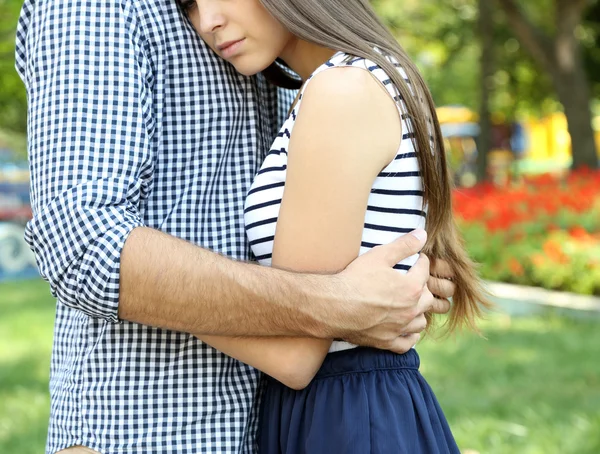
x,y
596,125
456,114
548,138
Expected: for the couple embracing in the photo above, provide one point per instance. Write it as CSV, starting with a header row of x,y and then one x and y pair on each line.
x,y
165,141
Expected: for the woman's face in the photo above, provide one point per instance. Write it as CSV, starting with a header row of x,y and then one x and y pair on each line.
x,y
240,31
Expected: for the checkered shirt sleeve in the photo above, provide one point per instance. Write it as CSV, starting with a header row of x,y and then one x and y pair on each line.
x,y
134,121
91,159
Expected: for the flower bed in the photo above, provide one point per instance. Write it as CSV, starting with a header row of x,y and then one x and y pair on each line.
x,y
544,232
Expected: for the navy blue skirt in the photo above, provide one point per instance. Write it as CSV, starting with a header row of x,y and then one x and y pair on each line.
x,y
362,401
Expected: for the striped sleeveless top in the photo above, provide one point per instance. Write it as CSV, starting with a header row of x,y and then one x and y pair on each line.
x,y
395,204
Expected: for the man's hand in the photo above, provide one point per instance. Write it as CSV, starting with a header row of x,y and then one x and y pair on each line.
x,y
387,308
441,285
368,303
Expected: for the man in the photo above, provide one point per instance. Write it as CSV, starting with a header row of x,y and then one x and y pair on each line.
x,y
140,138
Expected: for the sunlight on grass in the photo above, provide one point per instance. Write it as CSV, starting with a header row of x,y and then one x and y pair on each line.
x,y
533,387
27,311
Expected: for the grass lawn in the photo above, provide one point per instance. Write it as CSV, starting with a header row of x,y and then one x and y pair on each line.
x,y
533,387
26,323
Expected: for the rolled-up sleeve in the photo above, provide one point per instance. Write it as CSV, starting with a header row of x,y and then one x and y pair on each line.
x,y
88,76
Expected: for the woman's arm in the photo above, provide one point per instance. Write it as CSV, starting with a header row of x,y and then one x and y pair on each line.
x,y
346,132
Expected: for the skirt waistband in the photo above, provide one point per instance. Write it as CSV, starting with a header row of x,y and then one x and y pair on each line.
x,y
362,359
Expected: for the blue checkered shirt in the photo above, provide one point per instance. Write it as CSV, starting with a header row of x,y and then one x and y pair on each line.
x,y
133,121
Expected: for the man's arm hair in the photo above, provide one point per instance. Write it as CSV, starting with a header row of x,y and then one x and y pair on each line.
x,y
92,155
170,283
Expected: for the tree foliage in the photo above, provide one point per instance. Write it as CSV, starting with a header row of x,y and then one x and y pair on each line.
x,y
442,38
13,100
440,35
558,50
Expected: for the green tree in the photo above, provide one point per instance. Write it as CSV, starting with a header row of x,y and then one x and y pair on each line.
x,y
444,40
13,100
487,69
591,38
441,38
558,51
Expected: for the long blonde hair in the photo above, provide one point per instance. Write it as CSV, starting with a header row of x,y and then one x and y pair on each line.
x,y
353,27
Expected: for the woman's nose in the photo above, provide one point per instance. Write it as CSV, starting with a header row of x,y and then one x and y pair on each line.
x,y
211,16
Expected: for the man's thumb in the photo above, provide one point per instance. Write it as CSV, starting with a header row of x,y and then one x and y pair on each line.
x,y
404,247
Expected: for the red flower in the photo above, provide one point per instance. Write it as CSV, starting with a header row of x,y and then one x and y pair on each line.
x,y
515,267
579,233
553,251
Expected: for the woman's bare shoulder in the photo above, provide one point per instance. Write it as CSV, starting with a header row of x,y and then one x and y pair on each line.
x,y
351,102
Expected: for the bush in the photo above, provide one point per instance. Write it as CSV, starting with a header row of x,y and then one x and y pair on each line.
x,y
543,232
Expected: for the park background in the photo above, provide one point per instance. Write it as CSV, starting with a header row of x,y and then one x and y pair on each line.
x,y
518,85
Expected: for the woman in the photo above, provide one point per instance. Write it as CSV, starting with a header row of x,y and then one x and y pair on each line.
x,y
361,160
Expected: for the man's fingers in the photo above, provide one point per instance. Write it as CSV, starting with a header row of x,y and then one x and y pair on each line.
x,y
442,288
426,302
404,343
396,251
419,272
441,268
416,326
440,306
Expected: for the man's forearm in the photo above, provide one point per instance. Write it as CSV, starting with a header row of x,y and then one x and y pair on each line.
x,y
169,283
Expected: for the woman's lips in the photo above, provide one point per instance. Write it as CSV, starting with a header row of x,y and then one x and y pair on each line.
x,y
230,48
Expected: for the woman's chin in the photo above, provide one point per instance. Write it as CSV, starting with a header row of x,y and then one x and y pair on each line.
x,y
250,65
246,71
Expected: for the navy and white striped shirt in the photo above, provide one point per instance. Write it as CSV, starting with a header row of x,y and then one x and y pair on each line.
x,y
395,204
133,121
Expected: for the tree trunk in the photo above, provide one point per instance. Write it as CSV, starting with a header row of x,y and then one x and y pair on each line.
x,y
486,37
574,94
560,55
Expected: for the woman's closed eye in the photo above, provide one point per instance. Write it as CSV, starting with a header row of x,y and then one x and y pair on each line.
x,y
187,5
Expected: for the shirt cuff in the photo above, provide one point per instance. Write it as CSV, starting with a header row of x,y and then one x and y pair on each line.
x,y
78,249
